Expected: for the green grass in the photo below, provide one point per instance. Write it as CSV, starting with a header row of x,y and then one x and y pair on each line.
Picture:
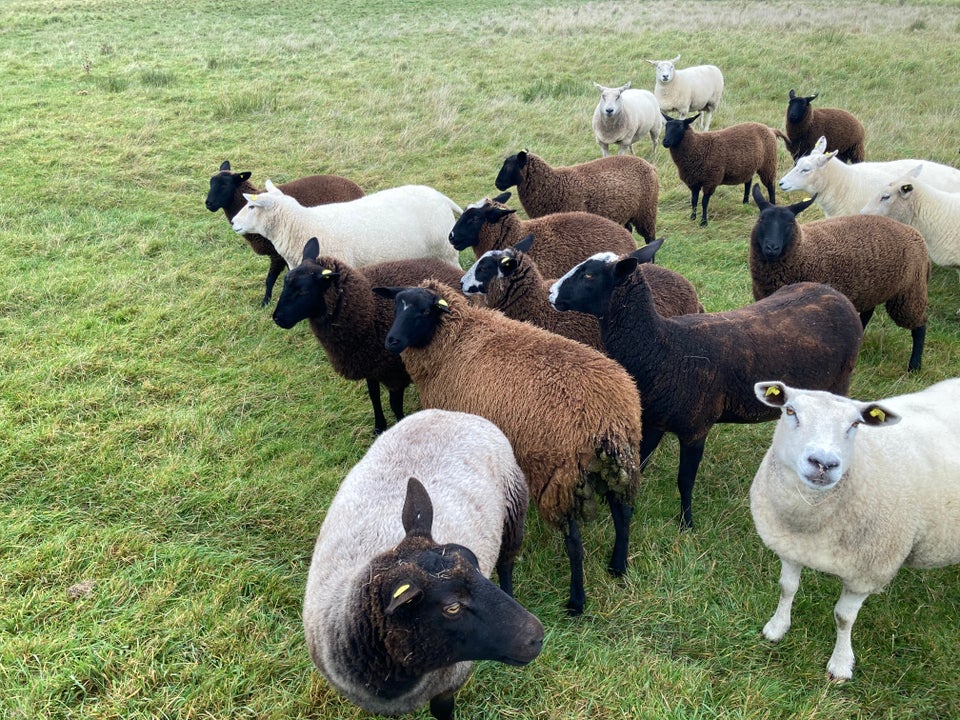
x,y
167,453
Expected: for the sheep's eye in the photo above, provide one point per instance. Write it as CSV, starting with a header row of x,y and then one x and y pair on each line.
x,y
884,197
790,411
855,424
452,608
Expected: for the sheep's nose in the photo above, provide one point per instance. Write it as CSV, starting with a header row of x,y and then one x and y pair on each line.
x,y
608,111
823,464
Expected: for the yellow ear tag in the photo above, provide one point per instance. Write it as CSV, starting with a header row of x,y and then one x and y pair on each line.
x,y
253,198
443,303
400,591
326,271
772,390
504,260
878,414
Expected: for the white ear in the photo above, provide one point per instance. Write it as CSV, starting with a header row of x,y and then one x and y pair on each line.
x,y
652,62
821,145
916,171
675,60
625,87
271,188
262,200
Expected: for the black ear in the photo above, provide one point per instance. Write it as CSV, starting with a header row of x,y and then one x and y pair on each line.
x,y
464,552
812,97
495,214
799,207
402,593
311,251
792,94
875,414
225,165
624,269
244,176
522,158
417,510
502,197
666,117
648,252
525,244
390,293
758,197
508,263
689,121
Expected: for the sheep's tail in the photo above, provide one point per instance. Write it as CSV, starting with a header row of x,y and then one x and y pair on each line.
x,y
781,135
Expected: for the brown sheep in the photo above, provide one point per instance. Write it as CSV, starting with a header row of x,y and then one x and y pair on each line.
x,y
563,238
226,193
869,258
732,156
623,188
571,413
805,124
511,282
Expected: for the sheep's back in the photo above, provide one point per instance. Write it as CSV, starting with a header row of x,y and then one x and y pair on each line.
x,y
561,240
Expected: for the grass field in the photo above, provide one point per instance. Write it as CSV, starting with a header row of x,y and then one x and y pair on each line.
x,y
167,453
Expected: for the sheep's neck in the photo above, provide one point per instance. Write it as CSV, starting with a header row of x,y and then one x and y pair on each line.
x,y
517,296
238,200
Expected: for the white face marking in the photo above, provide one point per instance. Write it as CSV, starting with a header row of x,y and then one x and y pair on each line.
x,y
607,257
477,205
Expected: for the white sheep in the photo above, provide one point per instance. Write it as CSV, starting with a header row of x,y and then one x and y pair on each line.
x,y
623,116
857,490
693,89
397,601
842,189
410,221
934,213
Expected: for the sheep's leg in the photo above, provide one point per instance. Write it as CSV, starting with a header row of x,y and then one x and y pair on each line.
x,y
441,706
746,191
694,197
505,576
604,148
691,453
621,514
277,266
840,667
379,419
865,317
778,625
395,398
648,444
706,201
574,545
919,335
705,119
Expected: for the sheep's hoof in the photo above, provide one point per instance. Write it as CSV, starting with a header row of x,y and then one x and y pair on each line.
x,y
703,223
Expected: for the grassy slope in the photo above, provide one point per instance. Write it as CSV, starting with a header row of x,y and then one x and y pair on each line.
x,y
162,438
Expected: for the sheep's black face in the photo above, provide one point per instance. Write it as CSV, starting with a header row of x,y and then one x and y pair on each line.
x,y
587,287
417,313
512,172
673,133
476,280
302,296
466,230
223,185
774,232
797,109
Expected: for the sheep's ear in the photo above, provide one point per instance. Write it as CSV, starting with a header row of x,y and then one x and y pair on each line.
x,y
502,197
460,550
525,244
224,166
799,207
821,145
772,393
599,87
877,415
759,199
508,263
624,87
811,98
831,154
261,200
402,593
792,94
905,189
311,251
495,214
689,121
676,60
648,252
244,176
916,171
440,304
623,269
417,510
388,293
522,158
652,62
271,188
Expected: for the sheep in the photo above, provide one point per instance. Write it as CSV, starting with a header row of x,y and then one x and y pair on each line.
x,y
226,193
842,189
870,259
510,282
936,214
564,238
723,157
394,611
350,322
805,124
624,116
697,88
623,188
404,222
857,490
697,370
571,413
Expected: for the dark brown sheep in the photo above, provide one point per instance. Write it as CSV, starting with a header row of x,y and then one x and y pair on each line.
x,y
805,124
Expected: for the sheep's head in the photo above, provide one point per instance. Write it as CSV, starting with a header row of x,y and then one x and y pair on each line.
x,y
895,199
305,287
611,99
466,230
511,173
815,434
806,173
776,227
664,69
587,287
675,129
417,314
494,264
224,186
798,107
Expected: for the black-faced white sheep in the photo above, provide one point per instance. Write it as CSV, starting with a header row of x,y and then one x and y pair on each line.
x,y
226,193
857,490
693,89
563,238
806,124
350,322
934,213
623,116
697,370
571,413
706,160
511,282
394,611
842,189
623,188
410,221
872,260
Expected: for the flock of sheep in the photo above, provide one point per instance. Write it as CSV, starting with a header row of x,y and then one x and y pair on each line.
x,y
551,369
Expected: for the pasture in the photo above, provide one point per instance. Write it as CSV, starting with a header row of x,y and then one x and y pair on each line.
x,y
167,453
